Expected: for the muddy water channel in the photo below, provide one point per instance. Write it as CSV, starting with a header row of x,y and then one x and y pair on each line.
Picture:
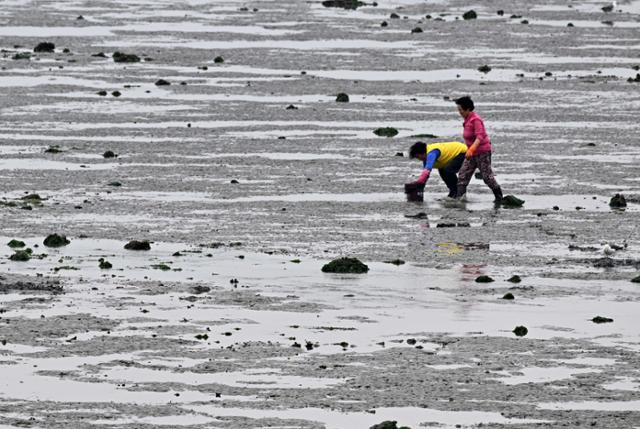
x,y
233,158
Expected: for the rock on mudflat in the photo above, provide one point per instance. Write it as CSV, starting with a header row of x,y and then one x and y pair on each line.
x,y
218,60
515,279
508,296
618,201
138,245
55,240
342,98
511,201
600,319
389,424
484,279
121,57
520,331
104,264
162,82
386,132
635,279
470,14
345,265
14,244
344,4
44,47
21,255
484,69
109,154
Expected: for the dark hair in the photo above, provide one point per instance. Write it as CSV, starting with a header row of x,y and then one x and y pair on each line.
x,y
417,149
466,103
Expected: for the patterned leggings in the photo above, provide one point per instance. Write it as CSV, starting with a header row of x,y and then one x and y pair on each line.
x,y
483,162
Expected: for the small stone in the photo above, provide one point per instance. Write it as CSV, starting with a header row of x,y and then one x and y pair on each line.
x,y
395,262
55,240
411,341
484,69
484,279
104,264
342,98
520,331
116,93
500,12
600,319
635,279
508,296
394,16
344,4
384,24
109,154
345,265
291,107
234,182
121,57
618,201
399,154
102,93
21,255
570,25
162,82
515,279
138,245
218,60
44,47
115,184
416,30
470,14
386,132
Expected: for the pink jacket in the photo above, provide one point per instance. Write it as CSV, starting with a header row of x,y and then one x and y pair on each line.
x,y
474,128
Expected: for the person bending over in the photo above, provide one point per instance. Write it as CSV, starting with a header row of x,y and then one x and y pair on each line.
x,y
446,157
478,152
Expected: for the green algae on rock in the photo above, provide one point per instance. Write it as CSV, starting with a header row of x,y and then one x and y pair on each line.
x,y
514,279
386,132
342,98
161,267
104,264
470,14
345,265
520,331
21,255
44,47
618,201
56,240
138,245
636,279
511,201
15,244
121,57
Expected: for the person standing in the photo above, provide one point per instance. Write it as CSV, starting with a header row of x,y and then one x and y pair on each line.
x,y
478,153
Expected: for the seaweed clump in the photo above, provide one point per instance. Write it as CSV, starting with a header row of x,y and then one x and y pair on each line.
x,y
345,265
56,240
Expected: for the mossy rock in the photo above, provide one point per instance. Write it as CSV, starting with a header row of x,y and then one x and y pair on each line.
x,y
104,264
56,240
636,279
16,244
21,255
345,265
511,201
138,245
218,60
44,47
344,4
109,154
600,319
342,98
386,132
389,424
162,82
514,279
22,56
470,14
161,267
484,279
32,198
121,57
618,201
508,296
520,331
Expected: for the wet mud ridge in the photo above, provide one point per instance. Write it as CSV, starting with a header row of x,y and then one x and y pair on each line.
x,y
175,176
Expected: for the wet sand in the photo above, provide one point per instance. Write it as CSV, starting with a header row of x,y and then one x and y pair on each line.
x,y
228,321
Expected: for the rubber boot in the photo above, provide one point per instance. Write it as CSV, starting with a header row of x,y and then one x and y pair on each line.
x,y
497,194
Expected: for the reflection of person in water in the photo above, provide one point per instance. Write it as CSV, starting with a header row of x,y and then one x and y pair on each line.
x,y
478,152
446,157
